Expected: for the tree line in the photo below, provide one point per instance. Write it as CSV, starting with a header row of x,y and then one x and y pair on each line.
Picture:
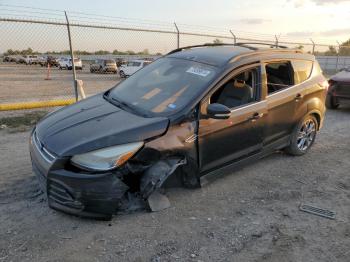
x,y
30,51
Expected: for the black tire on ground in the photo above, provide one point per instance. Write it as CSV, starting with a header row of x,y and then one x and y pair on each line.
x,y
303,136
331,102
122,74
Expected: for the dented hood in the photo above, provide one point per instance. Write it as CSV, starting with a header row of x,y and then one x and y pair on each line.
x,y
92,124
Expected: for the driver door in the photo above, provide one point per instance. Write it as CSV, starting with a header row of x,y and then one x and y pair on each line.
x,y
222,141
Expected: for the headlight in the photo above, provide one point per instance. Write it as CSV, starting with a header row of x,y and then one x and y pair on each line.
x,y
106,158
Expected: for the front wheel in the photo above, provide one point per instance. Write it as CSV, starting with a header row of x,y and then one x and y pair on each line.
x,y
331,102
303,136
122,74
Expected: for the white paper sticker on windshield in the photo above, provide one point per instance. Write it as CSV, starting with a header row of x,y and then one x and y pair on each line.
x,y
198,71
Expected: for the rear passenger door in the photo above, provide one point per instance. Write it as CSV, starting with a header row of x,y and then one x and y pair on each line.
x,y
286,88
281,101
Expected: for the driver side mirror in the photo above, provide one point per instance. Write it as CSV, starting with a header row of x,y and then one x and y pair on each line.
x,y
218,111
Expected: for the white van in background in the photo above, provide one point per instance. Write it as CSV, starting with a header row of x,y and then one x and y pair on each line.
x,y
132,66
30,59
66,63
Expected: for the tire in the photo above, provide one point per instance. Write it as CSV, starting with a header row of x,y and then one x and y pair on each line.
x,y
91,70
303,136
122,74
60,68
331,102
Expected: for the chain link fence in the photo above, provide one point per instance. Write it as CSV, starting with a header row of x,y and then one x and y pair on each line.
x,y
38,37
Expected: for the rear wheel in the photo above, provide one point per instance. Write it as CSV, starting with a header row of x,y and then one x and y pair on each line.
x,y
303,136
331,102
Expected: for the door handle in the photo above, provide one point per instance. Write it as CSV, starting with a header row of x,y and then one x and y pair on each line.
x,y
255,116
298,97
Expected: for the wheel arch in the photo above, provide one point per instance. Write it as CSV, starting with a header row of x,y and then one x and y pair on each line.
x,y
317,108
318,115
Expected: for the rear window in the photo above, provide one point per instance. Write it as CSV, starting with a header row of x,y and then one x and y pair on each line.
x,y
302,70
279,76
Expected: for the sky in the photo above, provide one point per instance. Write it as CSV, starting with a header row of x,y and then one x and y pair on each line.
x,y
325,21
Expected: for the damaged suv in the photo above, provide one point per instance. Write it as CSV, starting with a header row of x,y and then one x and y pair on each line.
x,y
185,119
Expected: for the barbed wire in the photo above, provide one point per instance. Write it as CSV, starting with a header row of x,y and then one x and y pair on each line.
x,y
16,12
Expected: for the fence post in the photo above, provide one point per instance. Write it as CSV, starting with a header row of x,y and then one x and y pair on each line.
x,y
234,37
313,46
337,62
72,57
276,41
178,35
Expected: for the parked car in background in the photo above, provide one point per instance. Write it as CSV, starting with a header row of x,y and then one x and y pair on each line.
x,y
120,61
339,89
185,119
42,60
132,66
6,59
66,63
30,59
103,66
12,58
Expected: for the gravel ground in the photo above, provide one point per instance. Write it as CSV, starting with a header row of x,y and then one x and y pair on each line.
x,y
249,215
21,83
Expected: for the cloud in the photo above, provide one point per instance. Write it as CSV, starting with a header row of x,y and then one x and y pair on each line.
x,y
254,21
301,3
325,2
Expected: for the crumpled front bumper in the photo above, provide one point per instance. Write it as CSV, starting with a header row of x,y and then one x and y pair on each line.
x,y
86,195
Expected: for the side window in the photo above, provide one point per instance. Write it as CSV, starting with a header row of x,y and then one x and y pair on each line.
x,y
302,70
279,76
137,63
239,90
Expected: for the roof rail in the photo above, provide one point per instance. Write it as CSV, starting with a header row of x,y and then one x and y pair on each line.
x,y
194,46
246,45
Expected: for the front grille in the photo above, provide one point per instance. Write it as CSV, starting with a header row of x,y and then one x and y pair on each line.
x,y
59,193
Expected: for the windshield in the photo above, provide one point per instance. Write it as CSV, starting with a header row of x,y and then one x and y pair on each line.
x,y
164,86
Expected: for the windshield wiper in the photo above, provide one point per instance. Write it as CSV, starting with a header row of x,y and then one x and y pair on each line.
x,y
125,105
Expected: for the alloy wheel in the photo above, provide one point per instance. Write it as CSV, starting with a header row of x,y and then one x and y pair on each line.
x,y
306,135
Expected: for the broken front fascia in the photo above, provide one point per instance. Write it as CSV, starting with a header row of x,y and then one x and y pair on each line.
x,y
157,165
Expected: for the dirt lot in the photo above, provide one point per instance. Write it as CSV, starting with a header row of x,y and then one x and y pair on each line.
x,y
250,215
20,83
